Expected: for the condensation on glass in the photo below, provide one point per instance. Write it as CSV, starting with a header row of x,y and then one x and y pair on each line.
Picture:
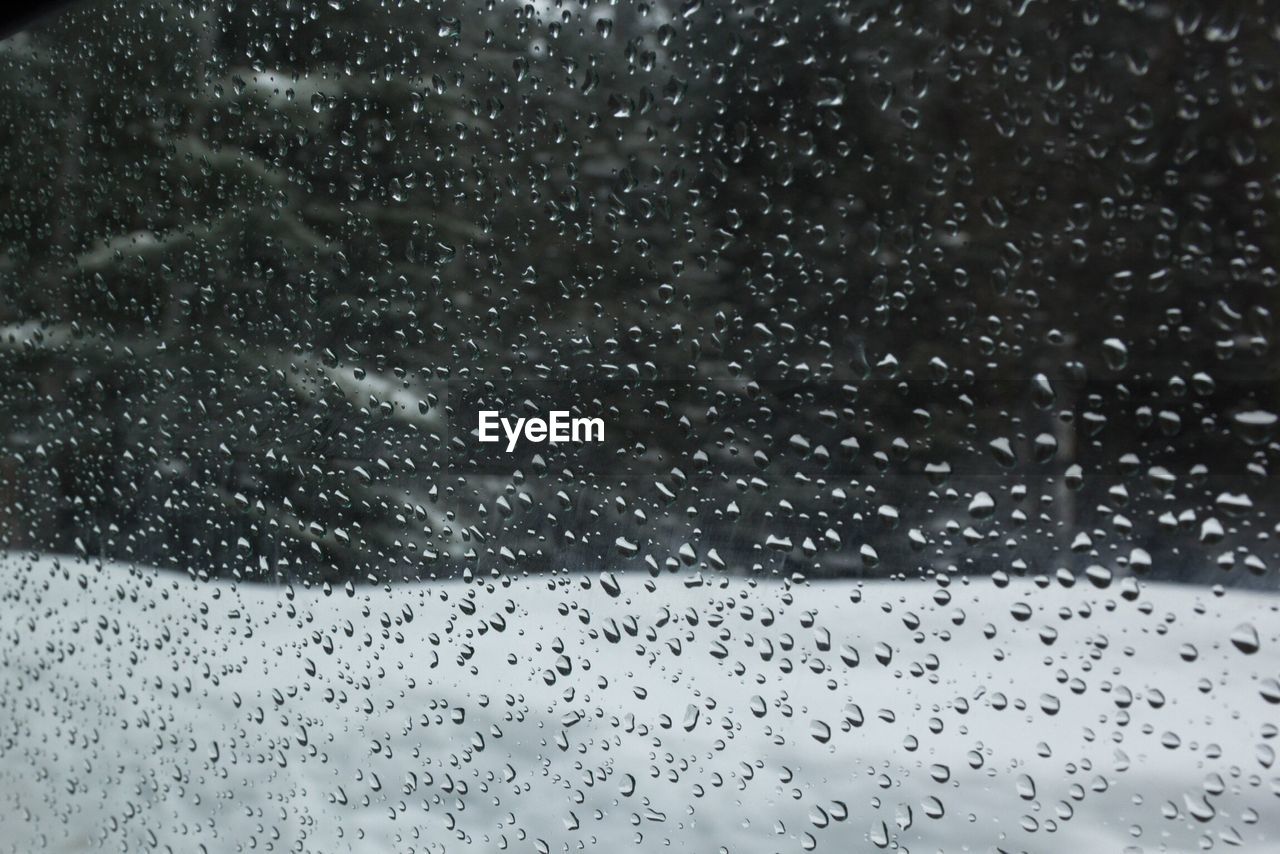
x,y
933,348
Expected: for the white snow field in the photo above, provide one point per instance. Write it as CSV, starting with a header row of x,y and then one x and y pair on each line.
x,y
143,710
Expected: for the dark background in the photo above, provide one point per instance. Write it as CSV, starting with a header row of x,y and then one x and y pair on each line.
x,y
843,271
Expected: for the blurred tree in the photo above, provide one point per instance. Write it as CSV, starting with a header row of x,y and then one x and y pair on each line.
x,y
834,270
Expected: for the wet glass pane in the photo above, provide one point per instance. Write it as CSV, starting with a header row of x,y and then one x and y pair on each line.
x,y
478,426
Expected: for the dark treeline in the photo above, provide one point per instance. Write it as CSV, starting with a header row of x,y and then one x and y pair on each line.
x,y
867,287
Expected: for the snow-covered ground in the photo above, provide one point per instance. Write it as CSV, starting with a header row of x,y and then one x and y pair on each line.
x,y
143,709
